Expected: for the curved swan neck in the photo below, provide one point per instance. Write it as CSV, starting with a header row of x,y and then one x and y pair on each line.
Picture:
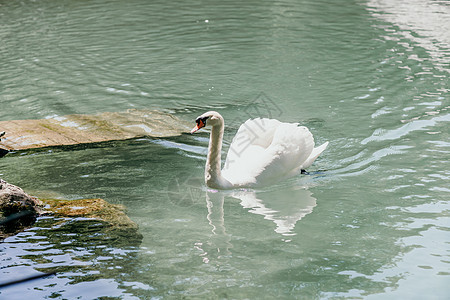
x,y
215,149
213,173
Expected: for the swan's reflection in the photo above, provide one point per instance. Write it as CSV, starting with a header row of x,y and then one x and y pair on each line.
x,y
284,207
219,243
220,238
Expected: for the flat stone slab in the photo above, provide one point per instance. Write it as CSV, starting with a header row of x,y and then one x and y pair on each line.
x,y
83,129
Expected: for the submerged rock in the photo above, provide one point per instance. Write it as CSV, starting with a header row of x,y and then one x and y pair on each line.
x,y
113,215
89,129
89,217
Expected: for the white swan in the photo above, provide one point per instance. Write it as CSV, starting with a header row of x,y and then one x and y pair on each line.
x,y
262,152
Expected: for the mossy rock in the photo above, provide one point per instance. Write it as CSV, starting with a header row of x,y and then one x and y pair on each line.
x,y
94,215
19,211
111,214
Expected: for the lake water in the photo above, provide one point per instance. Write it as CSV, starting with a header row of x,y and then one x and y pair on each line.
x,y
370,221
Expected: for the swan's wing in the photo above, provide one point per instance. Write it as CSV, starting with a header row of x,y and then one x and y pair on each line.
x,y
247,156
314,154
265,150
253,133
290,148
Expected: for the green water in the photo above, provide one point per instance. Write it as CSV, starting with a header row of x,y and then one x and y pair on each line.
x,y
370,221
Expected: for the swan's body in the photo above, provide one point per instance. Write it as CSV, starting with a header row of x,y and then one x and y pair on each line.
x,y
262,152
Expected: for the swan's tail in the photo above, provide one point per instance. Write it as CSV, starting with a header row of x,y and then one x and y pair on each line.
x,y
314,154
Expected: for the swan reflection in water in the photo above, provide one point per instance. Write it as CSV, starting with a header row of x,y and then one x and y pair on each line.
x,y
283,207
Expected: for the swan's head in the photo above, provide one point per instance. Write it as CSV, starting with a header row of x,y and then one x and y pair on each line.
x,y
210,118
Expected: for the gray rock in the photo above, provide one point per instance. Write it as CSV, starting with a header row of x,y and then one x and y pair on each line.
x,y
17,209
14,200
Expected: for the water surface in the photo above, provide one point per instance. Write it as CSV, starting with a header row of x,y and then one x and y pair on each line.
x,y
369,221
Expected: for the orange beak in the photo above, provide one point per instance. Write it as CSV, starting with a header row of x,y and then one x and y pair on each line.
x,y
197,127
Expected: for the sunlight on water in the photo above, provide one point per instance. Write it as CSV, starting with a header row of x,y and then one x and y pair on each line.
x,y
370,220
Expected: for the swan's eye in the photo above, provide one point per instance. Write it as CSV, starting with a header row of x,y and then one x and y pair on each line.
x,y
201,122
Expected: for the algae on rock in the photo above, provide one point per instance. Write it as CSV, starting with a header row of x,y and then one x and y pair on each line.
x,y
113,215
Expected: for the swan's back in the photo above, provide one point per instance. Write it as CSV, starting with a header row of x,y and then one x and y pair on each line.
x,y
266,150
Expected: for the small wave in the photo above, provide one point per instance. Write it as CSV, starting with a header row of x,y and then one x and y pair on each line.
x,y
414,125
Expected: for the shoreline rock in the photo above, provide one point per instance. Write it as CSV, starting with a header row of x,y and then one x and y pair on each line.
x,y
14,200
19,211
